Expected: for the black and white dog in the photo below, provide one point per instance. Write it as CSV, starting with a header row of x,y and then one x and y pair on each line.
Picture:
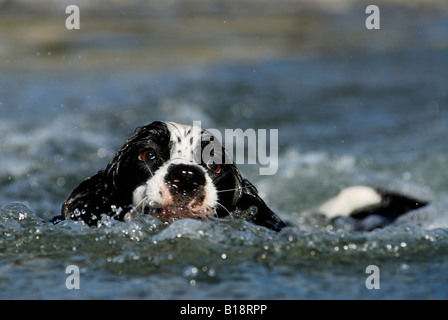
x,y
161,170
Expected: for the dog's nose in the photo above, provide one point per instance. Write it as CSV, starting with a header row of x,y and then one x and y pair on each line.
x,y
184,179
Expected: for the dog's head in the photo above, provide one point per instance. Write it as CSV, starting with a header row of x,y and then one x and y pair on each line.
x,y
171,171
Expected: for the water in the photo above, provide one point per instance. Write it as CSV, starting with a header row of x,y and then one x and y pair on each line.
x,y
370,108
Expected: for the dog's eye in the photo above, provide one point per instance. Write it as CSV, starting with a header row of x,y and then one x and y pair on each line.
x,y
147,155
215,167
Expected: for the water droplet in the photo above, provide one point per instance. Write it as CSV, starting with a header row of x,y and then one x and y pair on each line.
x,y
211,272
60,182
101,153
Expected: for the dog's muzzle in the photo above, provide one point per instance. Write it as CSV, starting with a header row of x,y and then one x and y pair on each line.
x,y
186,185
185,182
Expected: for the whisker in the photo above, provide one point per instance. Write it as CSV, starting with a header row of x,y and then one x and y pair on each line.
x,y
149,169
234,189
222,206
142,204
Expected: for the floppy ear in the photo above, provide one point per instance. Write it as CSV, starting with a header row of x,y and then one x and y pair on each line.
x,y
87,201
264,216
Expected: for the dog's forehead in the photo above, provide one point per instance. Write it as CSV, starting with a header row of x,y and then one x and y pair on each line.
x,y
185,140
181,133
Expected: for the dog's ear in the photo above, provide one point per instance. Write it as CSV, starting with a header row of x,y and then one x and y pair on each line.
x,y
263,216
87,201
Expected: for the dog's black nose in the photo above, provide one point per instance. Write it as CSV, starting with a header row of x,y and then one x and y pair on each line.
x,y
184,179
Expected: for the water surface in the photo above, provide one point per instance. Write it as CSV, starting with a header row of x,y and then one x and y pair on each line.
x,y
351,107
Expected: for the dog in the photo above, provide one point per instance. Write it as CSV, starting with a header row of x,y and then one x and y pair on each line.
x,y
162,170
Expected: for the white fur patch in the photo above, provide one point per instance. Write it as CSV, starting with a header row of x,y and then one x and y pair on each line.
x,y
185,140
349,200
